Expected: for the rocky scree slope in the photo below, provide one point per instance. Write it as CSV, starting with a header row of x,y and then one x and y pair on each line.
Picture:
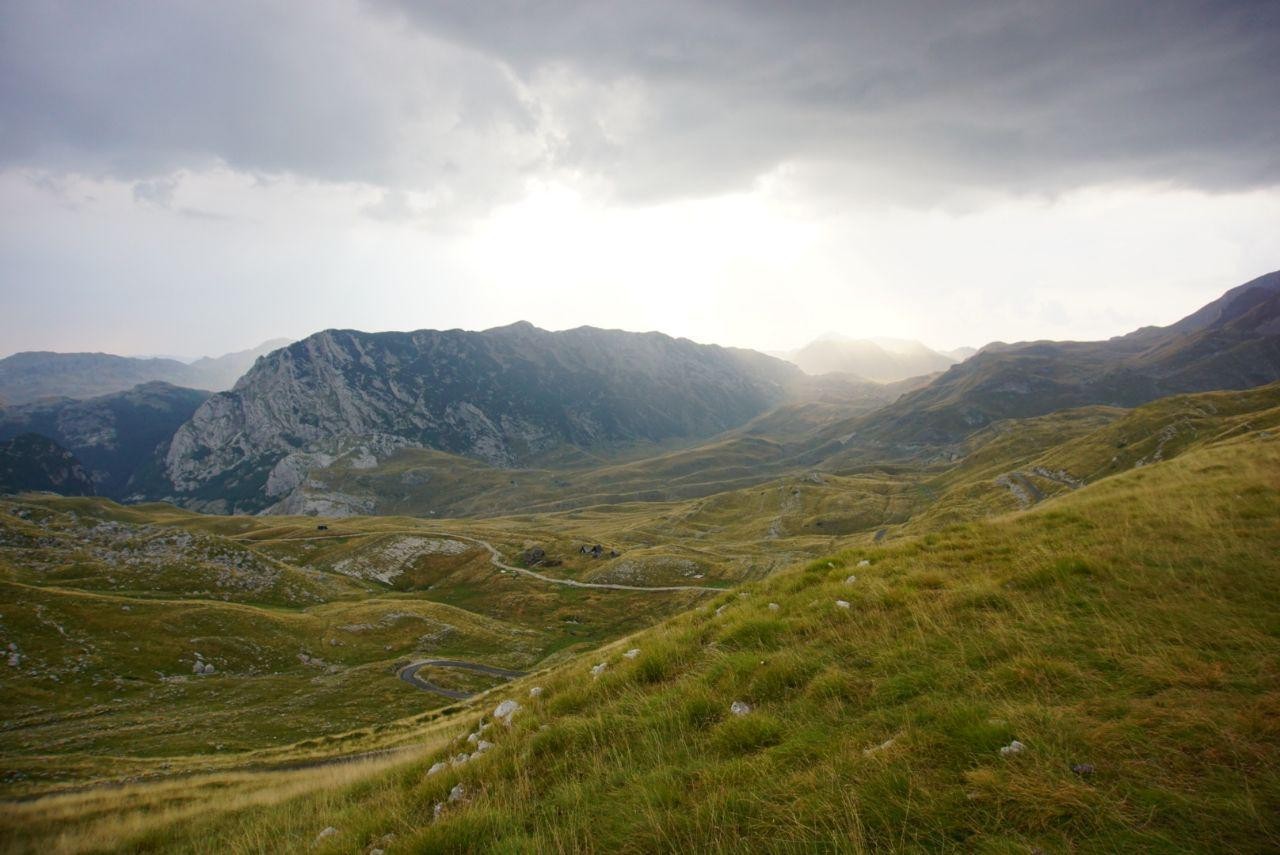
x,y
503,396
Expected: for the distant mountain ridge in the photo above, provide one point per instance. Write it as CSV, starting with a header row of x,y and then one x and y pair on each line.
x,y
878,360
503,396
34,375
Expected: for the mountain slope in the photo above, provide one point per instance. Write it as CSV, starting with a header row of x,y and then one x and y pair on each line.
x,y
1122,635
118,437
504,396
30,461
1232,343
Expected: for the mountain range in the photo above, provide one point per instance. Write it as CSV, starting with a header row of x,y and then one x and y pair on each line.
x,y
515,397
32,375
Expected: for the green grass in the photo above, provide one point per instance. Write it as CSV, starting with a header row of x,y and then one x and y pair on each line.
x,y
1131,625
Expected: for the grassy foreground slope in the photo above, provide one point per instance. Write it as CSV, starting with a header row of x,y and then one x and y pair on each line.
x,y
1132,626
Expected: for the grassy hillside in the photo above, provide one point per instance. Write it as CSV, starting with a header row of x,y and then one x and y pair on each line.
x,y
1125,634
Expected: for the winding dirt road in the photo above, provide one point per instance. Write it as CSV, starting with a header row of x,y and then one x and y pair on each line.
x,y
409,674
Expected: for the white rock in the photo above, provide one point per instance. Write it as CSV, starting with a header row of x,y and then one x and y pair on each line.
x,y
376,852
851,580
773,607
876,748
505,710
460,759
327,832
842,604
535,692
597,670
739,708
1012,748
483,746
473,737
436,811
15,659
866,562
208,668
458,793
722,608
632,653
742,595
437,768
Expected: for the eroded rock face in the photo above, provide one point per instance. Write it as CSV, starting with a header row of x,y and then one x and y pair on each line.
x,y
501,395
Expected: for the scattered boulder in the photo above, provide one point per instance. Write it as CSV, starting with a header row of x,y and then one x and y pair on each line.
x,y
460,759
15,659
534,556
472,738
875,749
536,692
458,793
436,768
436,811
866,562
326,833
1012,748
483,746
739,708
597,670
632,653
208,668
505,710
851,579
773,607
842,604
1084,770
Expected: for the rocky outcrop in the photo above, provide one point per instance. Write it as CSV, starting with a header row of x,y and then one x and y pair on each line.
x,y
503,395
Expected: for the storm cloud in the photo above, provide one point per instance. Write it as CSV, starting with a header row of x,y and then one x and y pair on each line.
x,y
651,101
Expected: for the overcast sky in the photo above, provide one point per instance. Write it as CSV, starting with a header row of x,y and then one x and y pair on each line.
x,y
196,177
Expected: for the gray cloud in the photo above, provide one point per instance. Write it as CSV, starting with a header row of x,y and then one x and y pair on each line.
x,y
325,90
905,101
1031,96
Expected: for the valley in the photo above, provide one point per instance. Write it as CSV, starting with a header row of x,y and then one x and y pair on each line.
x,y
841,553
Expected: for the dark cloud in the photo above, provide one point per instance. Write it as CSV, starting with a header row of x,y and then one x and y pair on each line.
x,y
1031,96
902,100
324,90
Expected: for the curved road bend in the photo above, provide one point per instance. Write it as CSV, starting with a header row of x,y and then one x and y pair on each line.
x,y
409,674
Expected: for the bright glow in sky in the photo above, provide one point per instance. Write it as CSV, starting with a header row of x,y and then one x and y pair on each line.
x,y
394,166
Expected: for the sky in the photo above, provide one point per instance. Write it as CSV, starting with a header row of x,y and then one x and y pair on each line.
x,y
187,178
